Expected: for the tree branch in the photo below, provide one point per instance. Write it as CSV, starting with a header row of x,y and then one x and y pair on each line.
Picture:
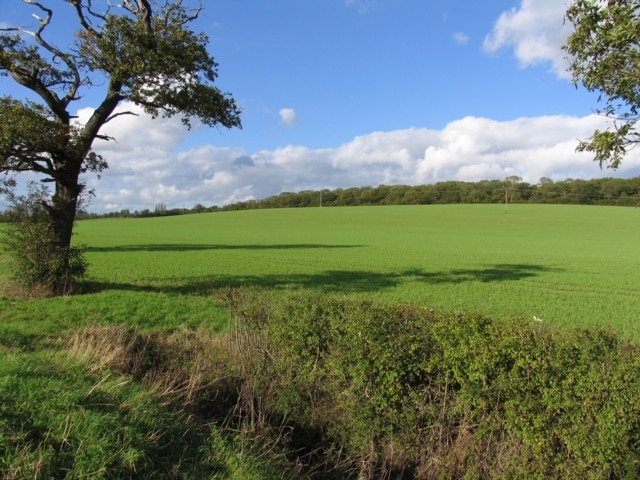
x,y
177,5
119,114
101,114
75,84
32,164
82,18
142,10
27,80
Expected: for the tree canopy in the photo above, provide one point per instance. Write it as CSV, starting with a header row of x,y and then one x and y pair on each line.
x,y
140,51
604,57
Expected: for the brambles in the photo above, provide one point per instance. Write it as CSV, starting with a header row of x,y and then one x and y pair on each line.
x,y
391,389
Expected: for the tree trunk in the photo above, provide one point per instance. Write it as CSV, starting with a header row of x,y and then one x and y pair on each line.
x,y
62,213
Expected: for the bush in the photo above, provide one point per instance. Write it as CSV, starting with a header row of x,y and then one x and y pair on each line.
x,y
40,267
393,390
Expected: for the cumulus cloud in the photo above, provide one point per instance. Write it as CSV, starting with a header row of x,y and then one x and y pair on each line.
x,y
535,31
243,161
143,174
461,38
288,116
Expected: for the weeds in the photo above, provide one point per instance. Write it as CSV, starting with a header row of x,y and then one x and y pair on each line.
x,y
113,402
181,368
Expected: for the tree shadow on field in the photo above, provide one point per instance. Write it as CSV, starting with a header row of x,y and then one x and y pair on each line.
x,y
339,281
502,272
331,281
186,247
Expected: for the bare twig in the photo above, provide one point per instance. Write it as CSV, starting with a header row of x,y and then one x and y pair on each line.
x,y
82,18
119,114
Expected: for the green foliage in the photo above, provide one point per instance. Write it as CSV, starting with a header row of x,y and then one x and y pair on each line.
x,y
32,123
399,389
139,51
604,56
40,266
161,65
602,191
238,459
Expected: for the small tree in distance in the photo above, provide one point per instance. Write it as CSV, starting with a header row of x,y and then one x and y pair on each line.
x,y
141,51
510,184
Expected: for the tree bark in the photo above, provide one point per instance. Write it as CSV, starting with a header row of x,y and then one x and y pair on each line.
x,y
63,211
62,214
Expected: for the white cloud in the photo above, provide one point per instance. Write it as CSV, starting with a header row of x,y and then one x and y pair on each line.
x,y
137,129
536,32
461,38
469,149
288,116
362,5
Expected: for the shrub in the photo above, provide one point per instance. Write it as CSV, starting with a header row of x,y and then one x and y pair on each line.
x,y
393,390
40,267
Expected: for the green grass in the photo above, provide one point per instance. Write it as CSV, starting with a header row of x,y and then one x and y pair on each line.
x,y
78,418
569,265
60,420
565,264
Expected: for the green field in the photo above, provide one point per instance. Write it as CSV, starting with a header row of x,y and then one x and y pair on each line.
x,y
564,264
67,405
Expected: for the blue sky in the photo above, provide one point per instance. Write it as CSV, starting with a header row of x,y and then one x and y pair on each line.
x,y
351,69
341,93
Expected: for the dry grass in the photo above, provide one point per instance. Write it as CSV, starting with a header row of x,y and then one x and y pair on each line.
x,y
193,371
188,369
16,291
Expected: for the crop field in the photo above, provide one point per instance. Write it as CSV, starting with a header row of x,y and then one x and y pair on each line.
x,y
95,384
566,265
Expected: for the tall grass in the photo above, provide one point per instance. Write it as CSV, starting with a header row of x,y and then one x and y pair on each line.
x,y
115,402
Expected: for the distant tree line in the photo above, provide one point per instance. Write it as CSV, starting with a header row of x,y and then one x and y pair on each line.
x,y
160,210
605,191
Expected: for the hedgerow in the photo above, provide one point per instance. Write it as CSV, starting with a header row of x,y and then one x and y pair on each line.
x,y
304,385
386,390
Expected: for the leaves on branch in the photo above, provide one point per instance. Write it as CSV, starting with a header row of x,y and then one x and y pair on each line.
x,y
166,69
141,51
31,139
604,54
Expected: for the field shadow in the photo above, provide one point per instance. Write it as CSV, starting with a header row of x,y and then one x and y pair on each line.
x,y
331,281
181,247
502,272
339,281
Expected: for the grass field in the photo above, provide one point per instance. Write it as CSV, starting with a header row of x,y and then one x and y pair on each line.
x,y
564,264
568,265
